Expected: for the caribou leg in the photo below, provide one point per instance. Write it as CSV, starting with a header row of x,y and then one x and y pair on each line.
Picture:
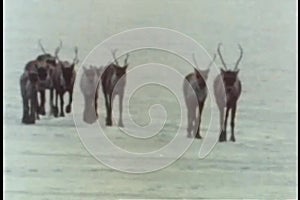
x,y
96,103
33,105
121,110
221,137
198,136
69,108
61,98
233,111
55,107
25,110
41,108
51,101
191,117
108,110
223,132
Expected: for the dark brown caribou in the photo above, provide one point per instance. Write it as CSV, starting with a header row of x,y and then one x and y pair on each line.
x,y
195,92
29,88
227,90
113,81
51,62
35,79
63,79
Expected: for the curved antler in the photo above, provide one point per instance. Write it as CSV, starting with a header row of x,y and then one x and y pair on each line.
x,y
113,52
76,60
58,49
220,55
126,59
41,46
212,61
240,58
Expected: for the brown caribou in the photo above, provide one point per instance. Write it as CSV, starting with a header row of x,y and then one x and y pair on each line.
x,y
63,78
114,74
195,92
52,62
227,90
35,79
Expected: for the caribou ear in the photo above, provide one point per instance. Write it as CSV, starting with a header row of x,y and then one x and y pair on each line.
x,y
205,73
237,71
125,67
222,71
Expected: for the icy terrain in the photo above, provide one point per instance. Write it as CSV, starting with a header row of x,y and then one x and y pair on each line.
x,y
48,161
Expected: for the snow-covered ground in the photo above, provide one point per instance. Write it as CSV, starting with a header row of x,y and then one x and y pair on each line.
x,y
48,161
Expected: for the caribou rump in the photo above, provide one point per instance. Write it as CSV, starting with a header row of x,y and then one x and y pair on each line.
x,y
195,92
113,81
227,90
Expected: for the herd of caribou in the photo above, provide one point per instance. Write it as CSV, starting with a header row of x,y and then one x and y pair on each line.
x,y
47,71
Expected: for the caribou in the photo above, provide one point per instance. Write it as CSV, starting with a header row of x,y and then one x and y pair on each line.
x,y
89,85
51,65
63,78
35,79
29,87
227,90
113,81
195,92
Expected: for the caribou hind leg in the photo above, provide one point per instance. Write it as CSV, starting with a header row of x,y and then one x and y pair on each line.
x,y
25,118
121,110
223,136
96,104
51,101
55,107
69,108
191,118
233,111
33,106
61,98
108,110
201,105
41,107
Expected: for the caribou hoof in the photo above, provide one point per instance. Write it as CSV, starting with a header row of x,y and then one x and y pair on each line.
x,y
189,135
55,111
68,109
28,120
121,124
222,137
62,114
108,123
232,139
198,136
41,111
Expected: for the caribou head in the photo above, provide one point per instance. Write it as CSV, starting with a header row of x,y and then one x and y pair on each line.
x,y
120,70
68,69
229,76
47,57
202,75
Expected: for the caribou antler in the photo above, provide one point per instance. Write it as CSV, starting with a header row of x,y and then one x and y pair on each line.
x,y
212,61
126,59
76,60
113,52
220,55
58,49
195,61
240,58
41,46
